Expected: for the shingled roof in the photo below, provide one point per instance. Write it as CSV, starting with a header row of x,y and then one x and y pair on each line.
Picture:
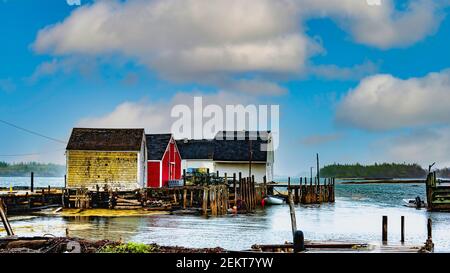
x,y
102,139
226,149
235,145
242,135
156,145
196,148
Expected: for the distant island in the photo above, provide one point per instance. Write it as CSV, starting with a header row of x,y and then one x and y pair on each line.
x,y
25,168
384,170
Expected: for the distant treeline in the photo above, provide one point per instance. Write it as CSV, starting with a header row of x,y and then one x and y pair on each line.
x,y
384,170
24,169
443,173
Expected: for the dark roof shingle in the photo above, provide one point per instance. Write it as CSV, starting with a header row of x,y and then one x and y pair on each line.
x,y
156,145
102,139
225,149
196,148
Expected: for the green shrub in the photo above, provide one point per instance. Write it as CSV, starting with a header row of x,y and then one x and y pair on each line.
x,y
130,248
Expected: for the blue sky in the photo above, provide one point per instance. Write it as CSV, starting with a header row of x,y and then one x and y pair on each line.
x,y
353,81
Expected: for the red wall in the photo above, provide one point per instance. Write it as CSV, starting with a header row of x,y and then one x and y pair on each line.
x,y
153,174
169,171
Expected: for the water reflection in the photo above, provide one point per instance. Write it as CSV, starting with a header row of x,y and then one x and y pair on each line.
x,y
356,216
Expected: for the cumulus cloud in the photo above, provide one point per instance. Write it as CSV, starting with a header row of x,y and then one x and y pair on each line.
x,y
383,25
254,87
334,72
185,38
155,116
86,67
423,147
383,102
217,40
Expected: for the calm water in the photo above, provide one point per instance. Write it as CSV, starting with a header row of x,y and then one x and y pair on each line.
x,y
6,182
356,216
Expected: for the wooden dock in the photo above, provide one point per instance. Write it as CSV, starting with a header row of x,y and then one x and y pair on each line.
x,y
308,191
438,193
23,201
343,247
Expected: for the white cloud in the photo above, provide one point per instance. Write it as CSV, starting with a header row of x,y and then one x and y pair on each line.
x,y
181,38
155,116
85,66
217,40
423,147
382,26
383,102
334,72
254,87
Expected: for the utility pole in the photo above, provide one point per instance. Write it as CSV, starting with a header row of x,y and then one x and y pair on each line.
x,y
250,155
318,170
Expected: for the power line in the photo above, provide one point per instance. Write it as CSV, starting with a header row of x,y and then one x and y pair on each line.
x,y
32,132
30,154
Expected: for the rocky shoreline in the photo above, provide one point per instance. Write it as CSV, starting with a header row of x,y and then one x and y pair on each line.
x,y
79,245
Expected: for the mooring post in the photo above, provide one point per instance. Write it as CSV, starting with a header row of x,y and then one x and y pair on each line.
x,y
429,229
32,182
402,239
265,186
4,218
292,212
240,185
289,184
253,191
234,189
184,177
385,229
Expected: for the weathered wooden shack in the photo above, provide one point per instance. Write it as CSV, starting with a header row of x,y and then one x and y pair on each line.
x,y
249,153
116,158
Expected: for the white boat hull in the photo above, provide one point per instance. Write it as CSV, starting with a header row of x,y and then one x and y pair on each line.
x,y
272,200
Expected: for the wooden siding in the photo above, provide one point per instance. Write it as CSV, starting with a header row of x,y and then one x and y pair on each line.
x,y
91,168
154,174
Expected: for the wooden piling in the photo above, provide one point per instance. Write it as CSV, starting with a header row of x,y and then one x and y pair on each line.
x,y
265,186
292,213
8,228
402,224
253,192
234,189
184,198
429,229
32,182
385,229
205,201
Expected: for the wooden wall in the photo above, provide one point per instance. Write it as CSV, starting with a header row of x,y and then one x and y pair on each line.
x,y
90,168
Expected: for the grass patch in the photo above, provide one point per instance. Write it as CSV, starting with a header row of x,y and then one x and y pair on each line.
x,y
130,248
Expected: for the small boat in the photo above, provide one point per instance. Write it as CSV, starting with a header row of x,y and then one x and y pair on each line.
x,y
273,200
414,203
